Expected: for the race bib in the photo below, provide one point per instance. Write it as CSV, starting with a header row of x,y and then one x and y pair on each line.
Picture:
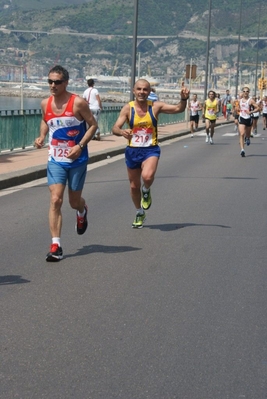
x,y
142,137
244,114
59,150
210,111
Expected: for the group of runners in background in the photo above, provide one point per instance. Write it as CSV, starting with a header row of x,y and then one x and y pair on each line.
x,y
245,110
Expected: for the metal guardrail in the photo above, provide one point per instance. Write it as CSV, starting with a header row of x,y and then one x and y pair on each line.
x,y
19,130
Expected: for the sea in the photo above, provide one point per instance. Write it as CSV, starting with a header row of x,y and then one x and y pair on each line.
x,y
13,103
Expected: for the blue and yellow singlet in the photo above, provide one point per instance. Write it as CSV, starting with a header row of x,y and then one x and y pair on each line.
x,y
145,129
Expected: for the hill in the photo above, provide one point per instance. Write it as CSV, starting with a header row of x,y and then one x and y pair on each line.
x,y
187,21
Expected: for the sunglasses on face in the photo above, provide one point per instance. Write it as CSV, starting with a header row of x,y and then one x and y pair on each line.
x,y
245,91
56,82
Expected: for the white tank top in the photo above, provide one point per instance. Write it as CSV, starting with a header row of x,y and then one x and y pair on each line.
x,y
194,105
244,106
264,107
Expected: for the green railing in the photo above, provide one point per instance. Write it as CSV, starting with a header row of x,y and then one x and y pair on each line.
x,y
18,131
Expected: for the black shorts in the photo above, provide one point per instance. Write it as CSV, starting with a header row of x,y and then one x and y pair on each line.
x,y
246,122
194,118
264,115
236,116
211,120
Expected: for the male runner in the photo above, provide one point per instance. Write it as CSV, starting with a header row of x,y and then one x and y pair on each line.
x,y
142,152
264,112
210,112
246,104
64,117
194,107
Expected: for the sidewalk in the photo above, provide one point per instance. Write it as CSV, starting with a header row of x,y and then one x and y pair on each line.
x,y
27,165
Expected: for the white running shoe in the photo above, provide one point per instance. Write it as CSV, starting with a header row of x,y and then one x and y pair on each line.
x,y
211,140
207,138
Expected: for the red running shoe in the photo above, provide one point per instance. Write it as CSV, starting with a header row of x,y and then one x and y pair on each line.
x,y
55,254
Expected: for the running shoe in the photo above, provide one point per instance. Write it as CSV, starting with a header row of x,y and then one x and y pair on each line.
x,y
192,136
55,254
146,200
264,128
242,153
207,138
81,224
211,140
139,220
247,140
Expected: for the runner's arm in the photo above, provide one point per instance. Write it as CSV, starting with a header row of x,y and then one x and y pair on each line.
x,y
255,106
122,119
39,141
161,107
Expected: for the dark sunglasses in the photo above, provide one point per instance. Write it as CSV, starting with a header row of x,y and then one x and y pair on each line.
x,y
57,82
245,91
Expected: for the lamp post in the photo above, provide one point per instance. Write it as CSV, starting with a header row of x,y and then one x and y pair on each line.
x,y
257,57
238,50
133,72
207,53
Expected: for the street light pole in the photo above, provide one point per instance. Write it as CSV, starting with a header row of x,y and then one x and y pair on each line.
x,y
133,72
238,50
207,53
257,57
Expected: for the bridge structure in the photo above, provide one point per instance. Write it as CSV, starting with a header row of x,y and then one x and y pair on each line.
x,y
36,34
155,40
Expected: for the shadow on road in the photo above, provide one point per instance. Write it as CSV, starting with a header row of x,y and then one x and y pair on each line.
x,y
106,249
177,226
8,280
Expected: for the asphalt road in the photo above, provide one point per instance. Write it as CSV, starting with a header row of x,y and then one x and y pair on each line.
x,y
176,310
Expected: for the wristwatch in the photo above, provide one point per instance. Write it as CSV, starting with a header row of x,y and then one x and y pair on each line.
x,y
81,145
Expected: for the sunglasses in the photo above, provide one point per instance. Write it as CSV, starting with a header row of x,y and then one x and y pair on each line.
x,y
57,82
245,91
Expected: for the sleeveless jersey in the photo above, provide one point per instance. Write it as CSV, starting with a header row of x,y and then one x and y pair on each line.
x,y
145,130
65,131
264,107
211,107
194,105
244,107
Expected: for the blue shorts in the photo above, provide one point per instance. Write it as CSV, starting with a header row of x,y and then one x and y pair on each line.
x,y
135,156
57,174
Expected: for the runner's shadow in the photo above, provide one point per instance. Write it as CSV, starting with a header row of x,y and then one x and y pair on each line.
x,y
105,249
8,280
178,226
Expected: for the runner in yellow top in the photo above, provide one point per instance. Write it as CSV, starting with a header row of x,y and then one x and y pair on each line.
x,y
142,153
210,110
144,128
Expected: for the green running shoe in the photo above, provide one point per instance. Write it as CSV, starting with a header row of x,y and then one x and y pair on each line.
x,y
146,200
138,221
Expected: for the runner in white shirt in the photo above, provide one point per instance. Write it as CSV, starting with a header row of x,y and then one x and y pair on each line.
x,y
194,106
245,119
264,112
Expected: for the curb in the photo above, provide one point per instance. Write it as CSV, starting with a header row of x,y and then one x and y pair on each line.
x,y
38,172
